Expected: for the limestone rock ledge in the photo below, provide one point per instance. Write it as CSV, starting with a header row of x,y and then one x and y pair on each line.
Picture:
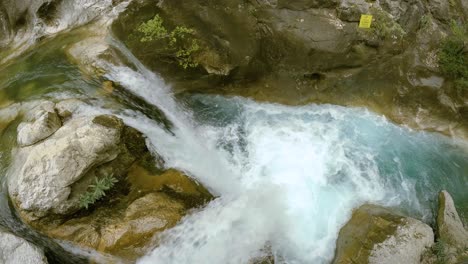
x,y
56,163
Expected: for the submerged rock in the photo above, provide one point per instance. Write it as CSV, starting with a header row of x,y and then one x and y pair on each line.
x,y
16,250
376,235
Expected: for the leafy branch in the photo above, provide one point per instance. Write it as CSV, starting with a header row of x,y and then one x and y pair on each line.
x,y
453,55
176,43
97,190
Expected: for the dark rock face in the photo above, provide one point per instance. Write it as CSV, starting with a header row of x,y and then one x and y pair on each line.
x,y
269,49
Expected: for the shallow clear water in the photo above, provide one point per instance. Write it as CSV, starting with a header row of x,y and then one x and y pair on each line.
x,y
287,178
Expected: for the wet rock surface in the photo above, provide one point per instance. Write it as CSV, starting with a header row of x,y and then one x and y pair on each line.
x,y
449,225
313,51
44,123
452,236
48,179
15,250
377,235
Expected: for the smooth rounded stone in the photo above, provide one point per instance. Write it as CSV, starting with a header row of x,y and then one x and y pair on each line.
x,y
376,235
42,175
450,228
44,126
16,250
40,121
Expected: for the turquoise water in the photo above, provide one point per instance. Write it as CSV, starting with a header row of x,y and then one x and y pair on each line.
x,y
287,177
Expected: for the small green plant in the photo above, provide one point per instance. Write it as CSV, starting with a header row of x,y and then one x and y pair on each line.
x,y
178,43
440,251
453,55
97,190
425,21
384,26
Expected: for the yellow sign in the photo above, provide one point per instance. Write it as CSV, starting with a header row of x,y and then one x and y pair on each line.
x,y
366,21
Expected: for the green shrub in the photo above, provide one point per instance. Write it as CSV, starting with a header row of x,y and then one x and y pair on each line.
x,y
439,249
453,56
385,27
178,43
97,190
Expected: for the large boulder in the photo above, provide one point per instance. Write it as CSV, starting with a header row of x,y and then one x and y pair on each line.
x,y
449,226
51,174
376,235
125,228
48,180
16,250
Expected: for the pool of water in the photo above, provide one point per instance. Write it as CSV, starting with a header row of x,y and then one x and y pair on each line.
x,y
287,178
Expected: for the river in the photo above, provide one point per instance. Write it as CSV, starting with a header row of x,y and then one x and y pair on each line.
x,y
286,177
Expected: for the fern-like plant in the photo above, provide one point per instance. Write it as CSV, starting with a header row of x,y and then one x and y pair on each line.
x,y
97,190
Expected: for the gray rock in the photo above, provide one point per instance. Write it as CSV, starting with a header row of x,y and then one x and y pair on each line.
x,y
440,9
44,125
351,10
15,250
306,4
67,107
42,176
376,235
406,245
449,226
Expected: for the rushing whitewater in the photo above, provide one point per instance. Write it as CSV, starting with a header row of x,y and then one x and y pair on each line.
x,y
287,177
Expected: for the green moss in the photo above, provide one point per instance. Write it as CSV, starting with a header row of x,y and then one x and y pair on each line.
x,y
108,121
453,56
178,44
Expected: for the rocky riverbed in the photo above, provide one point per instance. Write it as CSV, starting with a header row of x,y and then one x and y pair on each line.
x,y
238,132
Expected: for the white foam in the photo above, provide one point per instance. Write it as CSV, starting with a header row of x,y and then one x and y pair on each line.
x,y
287,178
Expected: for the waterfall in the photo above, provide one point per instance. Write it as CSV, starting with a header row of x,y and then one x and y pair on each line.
x,y
287,178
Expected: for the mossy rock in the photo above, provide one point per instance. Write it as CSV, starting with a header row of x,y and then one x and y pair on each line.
x,y
377,235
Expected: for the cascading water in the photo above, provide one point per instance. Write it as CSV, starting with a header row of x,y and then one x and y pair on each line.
x,y
287,178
